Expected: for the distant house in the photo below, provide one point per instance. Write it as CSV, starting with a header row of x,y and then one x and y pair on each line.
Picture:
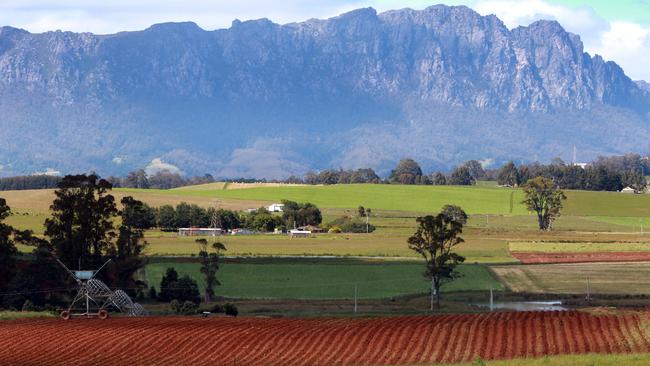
x,y
628,190
299,233
199,231
276,207
311,228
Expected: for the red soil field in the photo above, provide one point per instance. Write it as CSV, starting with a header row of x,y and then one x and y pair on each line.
x,y
321,341
538,258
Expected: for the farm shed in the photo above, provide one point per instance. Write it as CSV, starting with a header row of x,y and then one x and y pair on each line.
x,y
199,231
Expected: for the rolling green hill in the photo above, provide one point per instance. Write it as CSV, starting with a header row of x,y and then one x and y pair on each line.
x,y
475,199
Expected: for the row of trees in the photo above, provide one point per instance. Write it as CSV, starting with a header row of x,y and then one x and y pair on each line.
x,y
295,214
40,181
163,179
596,177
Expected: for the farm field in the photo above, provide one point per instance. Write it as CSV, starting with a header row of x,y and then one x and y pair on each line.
x,y
324,279
580,252
604,278
481,250
325,341
639,359
475,200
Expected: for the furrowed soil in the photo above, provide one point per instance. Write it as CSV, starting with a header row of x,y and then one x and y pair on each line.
x,y
318,341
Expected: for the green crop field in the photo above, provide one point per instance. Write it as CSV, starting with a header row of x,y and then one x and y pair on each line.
x,y
324,279
586,247
604,278
475,200
13,315
480,250
572,360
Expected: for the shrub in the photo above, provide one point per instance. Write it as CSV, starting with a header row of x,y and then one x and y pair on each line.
x,y
231,309
188,308
28,306
175,306
335,230
217,309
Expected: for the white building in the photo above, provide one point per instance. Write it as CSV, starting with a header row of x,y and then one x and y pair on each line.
x,y
276,207
199,231
628,190
299,233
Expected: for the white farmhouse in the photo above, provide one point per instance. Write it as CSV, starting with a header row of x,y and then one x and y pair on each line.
x,y
276,207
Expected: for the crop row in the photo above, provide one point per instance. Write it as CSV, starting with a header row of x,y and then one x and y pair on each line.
x,y
262,341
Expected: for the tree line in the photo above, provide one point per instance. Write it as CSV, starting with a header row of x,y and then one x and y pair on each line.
x,y
82,233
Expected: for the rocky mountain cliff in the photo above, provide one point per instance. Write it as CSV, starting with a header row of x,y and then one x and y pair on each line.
x,y
261,99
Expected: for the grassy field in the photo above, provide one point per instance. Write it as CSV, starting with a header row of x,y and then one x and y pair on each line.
x,y
585,247
475,200
572,360
604,278
13,315
324,279
481,250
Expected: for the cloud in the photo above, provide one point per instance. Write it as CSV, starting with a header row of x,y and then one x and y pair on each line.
x,y
118,160
626,43
157,165
48,171
629,45
101,16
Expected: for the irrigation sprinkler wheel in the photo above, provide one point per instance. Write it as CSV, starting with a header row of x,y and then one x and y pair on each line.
x,y
65,315
103,314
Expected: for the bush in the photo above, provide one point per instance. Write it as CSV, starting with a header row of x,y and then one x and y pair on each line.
x,y
175,306
346,224
188,308
217,309
28,306
152,293
231,309
335,230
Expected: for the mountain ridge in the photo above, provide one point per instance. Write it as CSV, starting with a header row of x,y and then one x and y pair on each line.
x,y
267,100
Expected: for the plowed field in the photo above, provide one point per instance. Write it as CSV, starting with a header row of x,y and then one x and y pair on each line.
x,y
538,258
266,341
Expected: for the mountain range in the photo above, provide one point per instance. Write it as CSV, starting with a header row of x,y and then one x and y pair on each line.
x,y
441,85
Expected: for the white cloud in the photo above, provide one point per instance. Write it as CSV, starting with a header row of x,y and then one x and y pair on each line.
x,y
100,16
626,43
118,160
48,171
157,165
629,45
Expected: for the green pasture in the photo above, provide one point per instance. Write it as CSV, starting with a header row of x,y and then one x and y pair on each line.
x,y
389,245
639,359
578,247
481,199
377,196
13,315
324,279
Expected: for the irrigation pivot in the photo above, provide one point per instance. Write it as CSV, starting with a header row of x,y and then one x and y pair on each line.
x,y
96,298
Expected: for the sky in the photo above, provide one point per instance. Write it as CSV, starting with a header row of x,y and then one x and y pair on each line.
x,y
618,30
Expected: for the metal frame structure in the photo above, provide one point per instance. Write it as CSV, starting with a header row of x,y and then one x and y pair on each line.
x,y
97,297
